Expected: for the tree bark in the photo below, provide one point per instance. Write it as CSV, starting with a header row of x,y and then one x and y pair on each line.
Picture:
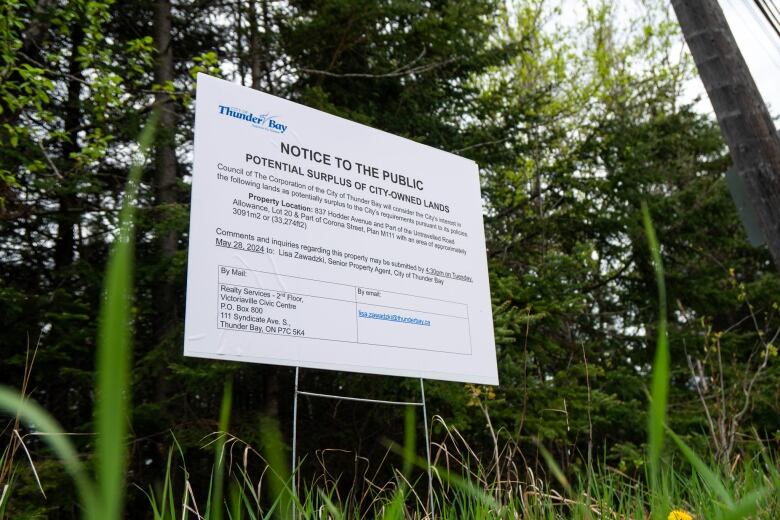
x,y
742,115
258,56
254,46
267,57
165,183
67,216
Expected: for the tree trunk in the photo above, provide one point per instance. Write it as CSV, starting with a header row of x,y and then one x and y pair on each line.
x,y
260,58
258,55
267,57
165,184
254,45
67,216
165,161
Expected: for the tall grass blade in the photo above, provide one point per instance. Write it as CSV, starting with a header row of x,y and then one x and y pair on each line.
x,y
659,392
279,481
556,470
410,441
248,495
113,353
33,414
467,486
5,493
747,506
219,451
706,474
333,511
395,508
234,508
167,509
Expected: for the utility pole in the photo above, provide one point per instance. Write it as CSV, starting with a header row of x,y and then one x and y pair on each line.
x,y
742,115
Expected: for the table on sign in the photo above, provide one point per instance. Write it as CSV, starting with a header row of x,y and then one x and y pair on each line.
x,y
269,303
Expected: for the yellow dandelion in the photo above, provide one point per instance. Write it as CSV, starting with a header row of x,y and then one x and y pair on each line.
x,y
679,514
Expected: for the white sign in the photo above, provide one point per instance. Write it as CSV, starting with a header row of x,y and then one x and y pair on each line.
x,y
318,242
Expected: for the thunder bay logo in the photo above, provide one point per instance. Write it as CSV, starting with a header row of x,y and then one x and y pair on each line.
x,y
262,121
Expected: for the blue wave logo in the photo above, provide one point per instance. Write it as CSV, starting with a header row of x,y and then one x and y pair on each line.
x,y
262,121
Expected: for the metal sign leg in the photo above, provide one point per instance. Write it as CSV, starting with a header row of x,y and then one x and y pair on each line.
x,y
294,464
294,460
427,448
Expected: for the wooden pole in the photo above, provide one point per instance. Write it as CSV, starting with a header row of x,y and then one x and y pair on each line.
x,y
742,115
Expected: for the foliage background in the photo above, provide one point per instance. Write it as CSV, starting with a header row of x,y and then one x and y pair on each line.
x,y
573,126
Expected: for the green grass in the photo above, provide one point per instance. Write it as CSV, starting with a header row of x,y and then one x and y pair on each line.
x,y
468,489
660,382
602,494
